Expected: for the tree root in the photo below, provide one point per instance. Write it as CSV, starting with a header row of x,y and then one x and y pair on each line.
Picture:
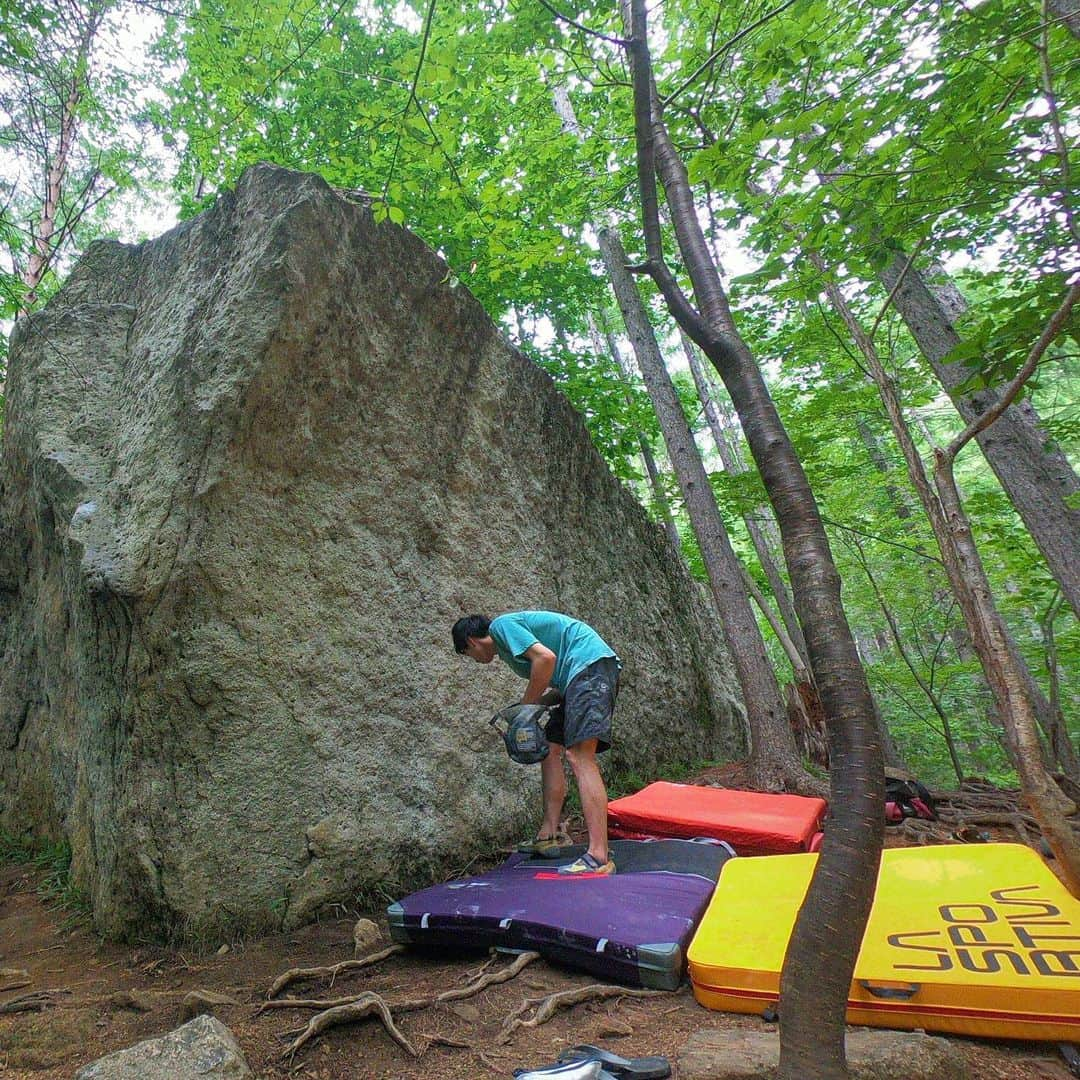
x,y
308,1003
486,966
546,1007
363,1006
35,1002
482,979
1020,822
344,1010
331,972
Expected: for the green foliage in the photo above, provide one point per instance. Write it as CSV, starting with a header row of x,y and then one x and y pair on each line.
x,y
615,411
849,130
15,850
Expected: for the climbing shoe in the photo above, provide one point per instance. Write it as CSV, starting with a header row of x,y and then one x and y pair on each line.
x,y
589,866
547,847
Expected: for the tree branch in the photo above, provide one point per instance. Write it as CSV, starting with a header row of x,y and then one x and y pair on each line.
x,y
621,42
1043,49
1008,395
717,53
896,286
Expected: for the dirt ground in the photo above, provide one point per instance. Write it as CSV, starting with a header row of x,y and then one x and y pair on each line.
x,y
106,997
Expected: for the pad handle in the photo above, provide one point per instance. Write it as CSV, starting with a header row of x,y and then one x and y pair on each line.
x,y
895,993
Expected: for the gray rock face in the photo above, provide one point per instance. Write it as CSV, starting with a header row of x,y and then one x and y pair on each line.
x,y
252,471
203,1049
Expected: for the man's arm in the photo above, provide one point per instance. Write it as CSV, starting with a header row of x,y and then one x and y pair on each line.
x,y
542,667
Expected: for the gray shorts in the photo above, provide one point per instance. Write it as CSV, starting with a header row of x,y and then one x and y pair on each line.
x,y
587,706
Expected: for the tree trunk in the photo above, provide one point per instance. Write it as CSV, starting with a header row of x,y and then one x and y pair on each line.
x,y
828,932
924,686
936,333
1002,666
756,526
59,157
1068,13
774,763
1034,473
880,462
1047,803
1061,745
661,505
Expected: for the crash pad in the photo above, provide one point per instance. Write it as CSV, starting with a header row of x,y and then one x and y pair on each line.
x,y
631,927
974,940
753,822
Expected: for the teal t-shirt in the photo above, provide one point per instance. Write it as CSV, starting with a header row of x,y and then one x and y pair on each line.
x,y
575,644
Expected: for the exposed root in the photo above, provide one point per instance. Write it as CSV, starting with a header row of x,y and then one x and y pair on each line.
x,y
487,965
482,981
308,1003
35,1002
546,1007
364,1005
331,972
16,979
344,1010
446,1040
980,803
489,1064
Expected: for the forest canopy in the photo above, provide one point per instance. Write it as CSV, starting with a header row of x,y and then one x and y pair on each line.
x,y
833,147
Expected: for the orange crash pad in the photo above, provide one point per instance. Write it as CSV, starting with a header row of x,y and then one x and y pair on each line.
x,y
752,822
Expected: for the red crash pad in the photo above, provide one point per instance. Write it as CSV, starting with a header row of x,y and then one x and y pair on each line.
x,y
752,822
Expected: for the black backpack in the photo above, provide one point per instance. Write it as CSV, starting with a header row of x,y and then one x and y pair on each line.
x,y
910,799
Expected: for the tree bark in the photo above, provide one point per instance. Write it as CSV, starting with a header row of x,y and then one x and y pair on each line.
x,y
1004,670
757,526
45,228
774,763
1048,805
1061,745
821,955
661,504
924,686
1034,473
1068,13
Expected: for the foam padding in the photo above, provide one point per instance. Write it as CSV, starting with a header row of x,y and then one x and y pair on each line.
x,y
752,822
631,927
975,940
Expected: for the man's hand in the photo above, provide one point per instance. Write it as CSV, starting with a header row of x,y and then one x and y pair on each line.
x,y
550,696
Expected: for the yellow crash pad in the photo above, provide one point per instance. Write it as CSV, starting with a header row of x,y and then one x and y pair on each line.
x,y
975,940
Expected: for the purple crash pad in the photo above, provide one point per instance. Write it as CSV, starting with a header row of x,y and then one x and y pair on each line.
x,y
632,927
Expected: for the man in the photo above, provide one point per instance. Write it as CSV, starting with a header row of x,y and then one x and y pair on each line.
x,y
569,656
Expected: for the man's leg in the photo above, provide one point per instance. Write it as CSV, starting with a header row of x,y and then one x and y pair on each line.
x,y
593,794
553,786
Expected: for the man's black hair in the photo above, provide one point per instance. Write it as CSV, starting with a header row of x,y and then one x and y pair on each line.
x,y
467,627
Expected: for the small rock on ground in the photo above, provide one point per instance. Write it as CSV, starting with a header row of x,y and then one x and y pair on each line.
x,y
198,1002
203,1049
366,935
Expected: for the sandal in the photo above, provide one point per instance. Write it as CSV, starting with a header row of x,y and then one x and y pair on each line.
x,y
589,866
566,1070
644,1068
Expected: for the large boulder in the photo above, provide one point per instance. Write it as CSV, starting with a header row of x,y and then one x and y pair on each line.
x,y
252,471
